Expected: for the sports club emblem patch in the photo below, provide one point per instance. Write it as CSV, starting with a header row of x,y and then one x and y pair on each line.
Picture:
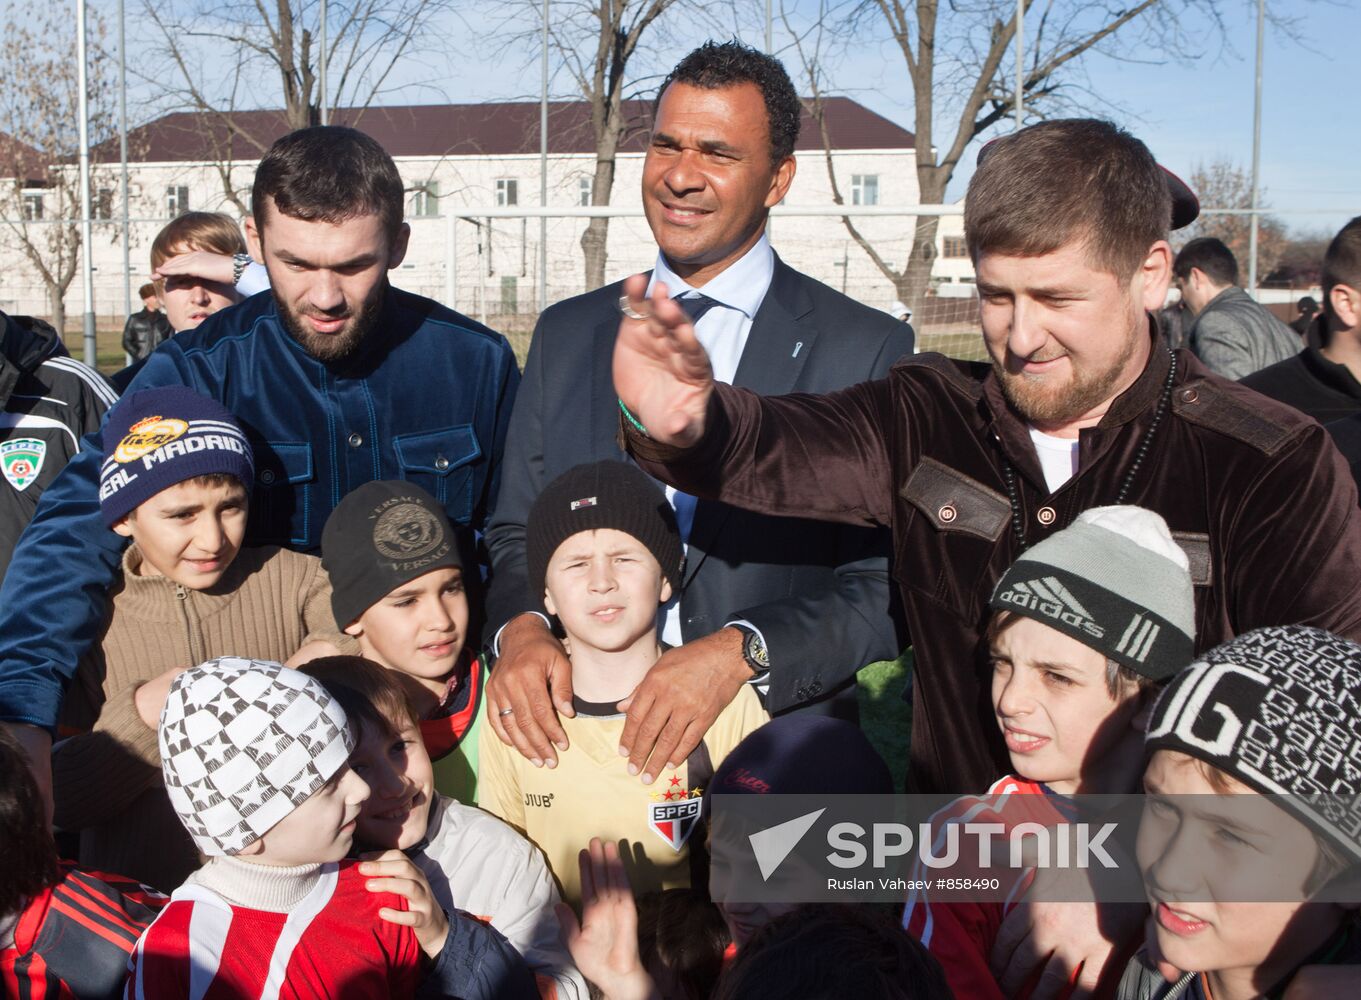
x,y
146,436
22,460
672,814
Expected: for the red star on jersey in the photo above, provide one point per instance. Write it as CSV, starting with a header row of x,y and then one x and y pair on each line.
x,y
675,782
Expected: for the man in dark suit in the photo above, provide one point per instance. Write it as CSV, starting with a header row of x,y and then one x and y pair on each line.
x,y
779,601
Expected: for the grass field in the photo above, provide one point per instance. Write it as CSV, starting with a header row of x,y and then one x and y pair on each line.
x,y
884,717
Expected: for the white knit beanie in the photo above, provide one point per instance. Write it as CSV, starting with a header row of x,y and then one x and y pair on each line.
x,y
243,743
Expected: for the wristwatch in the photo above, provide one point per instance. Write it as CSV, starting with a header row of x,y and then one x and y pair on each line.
x,y
240,261
754,650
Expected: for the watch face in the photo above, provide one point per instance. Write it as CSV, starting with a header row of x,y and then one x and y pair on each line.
x,y
756,652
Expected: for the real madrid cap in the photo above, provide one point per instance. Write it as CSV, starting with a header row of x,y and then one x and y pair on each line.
x,y
608,494
1114,580
156,438
243,743
382,535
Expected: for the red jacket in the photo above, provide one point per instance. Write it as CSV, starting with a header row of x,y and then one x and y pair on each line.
x,y
73,940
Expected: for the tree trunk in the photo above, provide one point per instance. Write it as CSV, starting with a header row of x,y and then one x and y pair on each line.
x,y
594,241
56,298
916,276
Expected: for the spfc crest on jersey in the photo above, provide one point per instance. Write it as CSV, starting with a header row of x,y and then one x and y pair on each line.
x,y
22,460
672,814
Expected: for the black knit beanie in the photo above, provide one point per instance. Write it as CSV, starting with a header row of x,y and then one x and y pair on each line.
x,y
606,494
381,535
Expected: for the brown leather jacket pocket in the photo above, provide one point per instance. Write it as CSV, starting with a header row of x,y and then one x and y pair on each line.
x,y
952,501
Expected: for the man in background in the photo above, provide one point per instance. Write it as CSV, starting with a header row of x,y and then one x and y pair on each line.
x,y
1323,381
147,327
1231,333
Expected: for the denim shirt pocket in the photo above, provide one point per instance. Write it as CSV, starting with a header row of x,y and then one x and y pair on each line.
x,y
444,463
281,508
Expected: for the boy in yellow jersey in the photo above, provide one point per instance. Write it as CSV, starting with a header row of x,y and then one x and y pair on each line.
x,y
604,551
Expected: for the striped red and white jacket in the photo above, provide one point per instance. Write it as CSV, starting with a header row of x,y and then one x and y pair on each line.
x,y
331,944
73,940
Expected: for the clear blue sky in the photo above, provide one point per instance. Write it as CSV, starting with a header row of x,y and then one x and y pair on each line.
x,y
1188,112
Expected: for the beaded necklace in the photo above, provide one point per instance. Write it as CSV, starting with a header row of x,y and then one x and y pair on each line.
x,y
1009,474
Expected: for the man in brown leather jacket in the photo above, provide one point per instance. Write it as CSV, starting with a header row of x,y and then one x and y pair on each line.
x,y
968,464
1082,406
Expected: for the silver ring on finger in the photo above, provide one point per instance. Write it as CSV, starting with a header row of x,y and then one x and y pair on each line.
x,y
629,311
506,711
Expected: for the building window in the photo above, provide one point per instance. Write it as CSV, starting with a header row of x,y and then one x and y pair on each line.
x,y
510,296
102,206
425,200
176,201
584,185
954,247
864,189
507,192
33,206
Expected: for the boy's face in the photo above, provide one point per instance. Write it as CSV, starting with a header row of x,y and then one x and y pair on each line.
x,y
189,533
1056,713
401,781
1196,852
605,586
321,829
419,628
744,919
190,300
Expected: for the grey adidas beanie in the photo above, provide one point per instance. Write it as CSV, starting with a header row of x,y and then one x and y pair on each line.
x,y
1114,580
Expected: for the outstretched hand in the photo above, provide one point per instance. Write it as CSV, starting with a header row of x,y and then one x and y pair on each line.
x,y
604,944
661,372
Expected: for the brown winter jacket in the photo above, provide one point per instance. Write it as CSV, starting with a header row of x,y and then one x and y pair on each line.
x,y
1256,493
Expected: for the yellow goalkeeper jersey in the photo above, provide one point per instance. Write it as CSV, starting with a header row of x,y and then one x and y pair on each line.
x,y
591,794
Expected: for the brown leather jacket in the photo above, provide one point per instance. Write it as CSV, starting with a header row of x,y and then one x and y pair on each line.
x,y
1255,492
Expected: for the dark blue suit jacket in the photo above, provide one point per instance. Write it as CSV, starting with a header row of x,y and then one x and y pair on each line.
x,y
818,592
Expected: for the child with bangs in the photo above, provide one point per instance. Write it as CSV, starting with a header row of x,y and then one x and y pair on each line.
x,y
471,860
1085,626
1249,843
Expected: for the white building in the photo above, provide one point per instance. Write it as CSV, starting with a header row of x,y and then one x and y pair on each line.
x,y
459,159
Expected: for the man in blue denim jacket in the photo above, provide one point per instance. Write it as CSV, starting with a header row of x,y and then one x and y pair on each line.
x,y
337,378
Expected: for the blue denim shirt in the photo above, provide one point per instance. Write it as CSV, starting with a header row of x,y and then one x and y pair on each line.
x,y
430,407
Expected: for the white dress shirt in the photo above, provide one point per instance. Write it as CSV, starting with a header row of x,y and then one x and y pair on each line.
x,y
739,292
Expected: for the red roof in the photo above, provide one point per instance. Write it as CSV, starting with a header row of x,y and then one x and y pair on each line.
x,y
19,159
497,128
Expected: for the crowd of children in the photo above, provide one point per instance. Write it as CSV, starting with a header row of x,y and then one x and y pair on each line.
x,y
291,748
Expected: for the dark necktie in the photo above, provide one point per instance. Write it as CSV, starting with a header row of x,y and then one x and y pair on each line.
x,y
695,306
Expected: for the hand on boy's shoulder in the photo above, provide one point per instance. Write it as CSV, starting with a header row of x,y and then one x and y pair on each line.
x,y
679,700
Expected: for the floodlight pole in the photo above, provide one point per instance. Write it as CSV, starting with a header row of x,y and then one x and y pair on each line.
x,y
123,156
543,163
86,234
1256,152
1020,63
770,34
321,67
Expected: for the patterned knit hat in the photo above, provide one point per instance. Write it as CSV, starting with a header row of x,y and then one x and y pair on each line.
x,y
382,535
243,743
606,494
1279,709
1113,580
156,438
